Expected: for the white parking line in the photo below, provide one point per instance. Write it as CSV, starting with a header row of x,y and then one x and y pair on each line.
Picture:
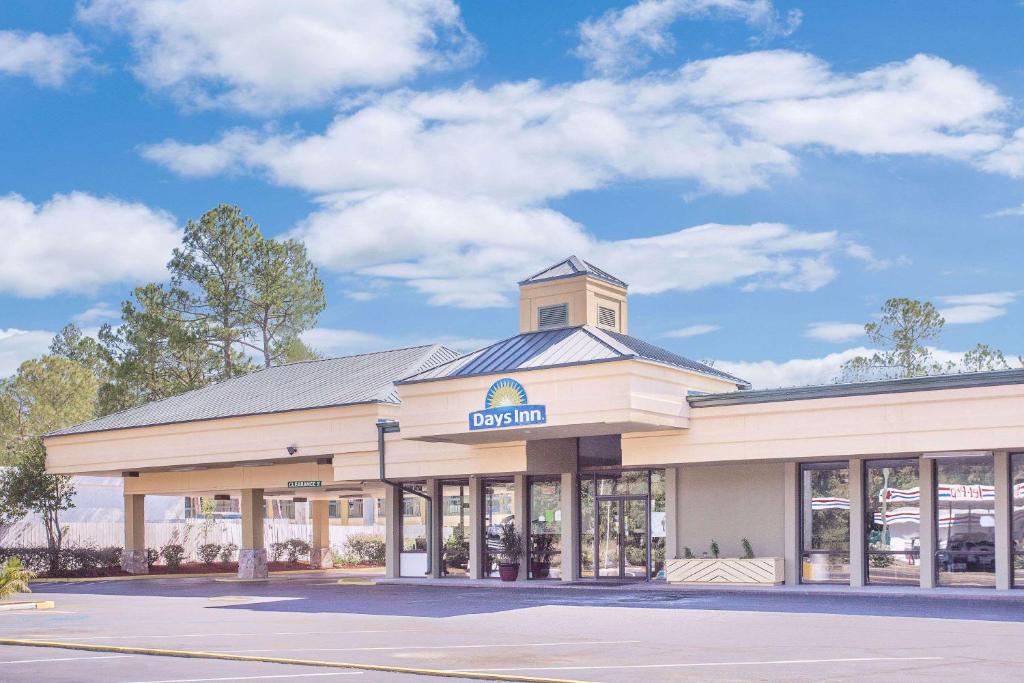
x,y
234,635
61,659
252,678
437,647
700,664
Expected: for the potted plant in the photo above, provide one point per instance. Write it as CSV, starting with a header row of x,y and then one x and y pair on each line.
x,y
510,551
540,557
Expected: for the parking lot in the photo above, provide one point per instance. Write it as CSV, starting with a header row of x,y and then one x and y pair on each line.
x,y
580,634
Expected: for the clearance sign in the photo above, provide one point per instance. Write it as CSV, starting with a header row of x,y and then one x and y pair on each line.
x,y
506,406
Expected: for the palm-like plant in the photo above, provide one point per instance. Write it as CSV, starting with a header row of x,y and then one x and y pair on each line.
x,y
14,578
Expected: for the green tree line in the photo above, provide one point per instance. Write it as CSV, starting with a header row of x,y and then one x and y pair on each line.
x,y
235,301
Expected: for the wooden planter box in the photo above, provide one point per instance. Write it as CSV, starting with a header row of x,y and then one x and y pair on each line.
x,y
760,571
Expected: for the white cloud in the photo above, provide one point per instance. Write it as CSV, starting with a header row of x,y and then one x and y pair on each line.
x,y
727,124
467,252
77,242
17,346
264,55
965,309
97,312
338,342
1011,211
1008,159
834,332
799,372
796,372
691,331
49,60
621,39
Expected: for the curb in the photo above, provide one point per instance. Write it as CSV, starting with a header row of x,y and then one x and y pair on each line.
x,y
190,654
25,605
201,575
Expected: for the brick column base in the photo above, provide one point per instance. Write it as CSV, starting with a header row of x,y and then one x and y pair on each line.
x,y
252,564
134,561
321,558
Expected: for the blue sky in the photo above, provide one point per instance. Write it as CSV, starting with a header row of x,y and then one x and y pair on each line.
x,y
763,174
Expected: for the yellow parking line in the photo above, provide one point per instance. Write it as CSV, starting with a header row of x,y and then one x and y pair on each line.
x,y
443,673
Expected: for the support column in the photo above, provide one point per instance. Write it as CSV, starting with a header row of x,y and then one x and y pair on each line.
x,y
133,558
476,520
570,527
791,515
858,561
521,509
252,556
927,517
392,532
432,488
671,510
320,554
1004,502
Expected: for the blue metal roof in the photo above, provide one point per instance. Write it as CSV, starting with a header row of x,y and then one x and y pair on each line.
x,y
364,378
571,267
562,347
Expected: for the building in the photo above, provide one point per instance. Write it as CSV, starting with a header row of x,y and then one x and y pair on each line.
x,y
619,453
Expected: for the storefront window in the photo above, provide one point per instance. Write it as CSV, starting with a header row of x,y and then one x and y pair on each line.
x,y
545,529
587,486
1017,513
893,522
455,528
414,522
825,523
499,507
966,528
658,532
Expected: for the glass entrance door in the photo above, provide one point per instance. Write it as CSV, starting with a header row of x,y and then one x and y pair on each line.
x,y
622,537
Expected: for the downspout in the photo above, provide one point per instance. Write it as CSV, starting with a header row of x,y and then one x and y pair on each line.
x,y
389,427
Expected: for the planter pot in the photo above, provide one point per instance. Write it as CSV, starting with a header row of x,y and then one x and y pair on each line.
x,y
540,570
760,571
508,572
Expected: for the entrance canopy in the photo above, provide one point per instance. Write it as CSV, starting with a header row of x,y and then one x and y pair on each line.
x,y
567,382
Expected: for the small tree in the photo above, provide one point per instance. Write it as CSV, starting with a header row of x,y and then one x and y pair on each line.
x,y
26,487
901,333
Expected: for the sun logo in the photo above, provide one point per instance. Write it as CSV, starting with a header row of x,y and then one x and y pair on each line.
x,y
505,392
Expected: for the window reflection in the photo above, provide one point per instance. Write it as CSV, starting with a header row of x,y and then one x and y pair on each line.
x,y
499,507
893,522
1017,482
965,511
454,528
825,523
545,529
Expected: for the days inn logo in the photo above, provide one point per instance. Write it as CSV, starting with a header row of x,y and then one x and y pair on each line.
x,y
506,406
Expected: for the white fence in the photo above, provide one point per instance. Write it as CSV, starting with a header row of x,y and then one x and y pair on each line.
x,y
190,533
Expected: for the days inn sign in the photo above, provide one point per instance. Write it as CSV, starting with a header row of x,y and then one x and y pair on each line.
x,y
506,406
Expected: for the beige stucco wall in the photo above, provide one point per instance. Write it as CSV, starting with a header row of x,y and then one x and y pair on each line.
x,y
730,502
318,432
979,418
597,398
582,294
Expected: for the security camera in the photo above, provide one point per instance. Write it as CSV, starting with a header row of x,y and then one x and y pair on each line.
x,y
292,450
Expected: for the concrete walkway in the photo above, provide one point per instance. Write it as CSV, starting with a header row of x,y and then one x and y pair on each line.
x,y
1014,595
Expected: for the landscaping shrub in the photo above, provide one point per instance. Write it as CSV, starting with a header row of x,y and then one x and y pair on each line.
x,y
152,555
13,578
78,561
296,548
276,551
227,552
366,549
208,553
173,554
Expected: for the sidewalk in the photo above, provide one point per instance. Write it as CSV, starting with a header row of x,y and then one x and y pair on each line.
x,y
988,594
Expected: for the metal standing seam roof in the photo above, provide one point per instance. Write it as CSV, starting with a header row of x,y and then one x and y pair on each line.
x,y
561,347
571,267
349,380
